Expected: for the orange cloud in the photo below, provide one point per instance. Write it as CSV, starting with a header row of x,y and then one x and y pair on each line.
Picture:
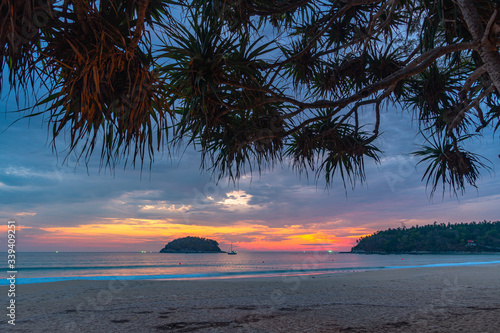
x,y
132,234
25,214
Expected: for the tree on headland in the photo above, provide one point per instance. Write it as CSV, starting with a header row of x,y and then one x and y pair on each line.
x,y
467,237
251,81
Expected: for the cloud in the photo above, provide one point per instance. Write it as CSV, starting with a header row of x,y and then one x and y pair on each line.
x,y
25,172
25,214
5,187
238,201
164,207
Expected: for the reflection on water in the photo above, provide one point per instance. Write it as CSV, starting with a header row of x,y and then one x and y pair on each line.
x,y
43,267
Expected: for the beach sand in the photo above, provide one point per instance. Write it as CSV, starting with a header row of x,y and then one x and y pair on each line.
x,y
444,299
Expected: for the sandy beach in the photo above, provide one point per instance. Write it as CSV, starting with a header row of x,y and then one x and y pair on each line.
x,y
445,299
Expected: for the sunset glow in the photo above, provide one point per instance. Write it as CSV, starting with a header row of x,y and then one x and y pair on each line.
x,y
151,235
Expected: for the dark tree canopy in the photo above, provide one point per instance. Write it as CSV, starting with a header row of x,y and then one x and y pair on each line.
x,y
191,244
468,237
251,82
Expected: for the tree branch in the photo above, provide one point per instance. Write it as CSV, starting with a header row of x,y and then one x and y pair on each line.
x,y
470,80
474,103
487,49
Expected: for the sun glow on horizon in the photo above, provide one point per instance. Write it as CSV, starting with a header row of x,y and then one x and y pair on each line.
x,y
244,235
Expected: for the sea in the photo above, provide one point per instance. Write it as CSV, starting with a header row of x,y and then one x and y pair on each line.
x,y
50,267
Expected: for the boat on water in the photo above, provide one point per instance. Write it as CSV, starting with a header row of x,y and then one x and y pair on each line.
x,y
232,252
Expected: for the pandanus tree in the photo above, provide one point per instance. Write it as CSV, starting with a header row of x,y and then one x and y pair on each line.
x,y
252,83
94,59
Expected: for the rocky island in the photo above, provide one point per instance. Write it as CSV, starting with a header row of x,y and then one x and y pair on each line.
x,y
192,245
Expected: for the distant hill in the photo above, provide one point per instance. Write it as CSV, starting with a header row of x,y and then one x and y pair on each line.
x,y
434,238
192,245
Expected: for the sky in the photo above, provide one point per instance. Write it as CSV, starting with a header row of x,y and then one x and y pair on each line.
x,y
66,206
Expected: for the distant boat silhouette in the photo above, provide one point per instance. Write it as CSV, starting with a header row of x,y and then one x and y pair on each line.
x,y
232,252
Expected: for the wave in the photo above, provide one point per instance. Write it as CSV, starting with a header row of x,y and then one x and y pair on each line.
x,y
471,263
233,274
38,268
281,272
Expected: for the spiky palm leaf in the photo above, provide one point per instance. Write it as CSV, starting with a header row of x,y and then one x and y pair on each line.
x,y
104,81
219,94
333,148
449,164
21,25
240,102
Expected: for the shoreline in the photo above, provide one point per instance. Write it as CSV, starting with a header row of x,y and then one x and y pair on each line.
x,y
423,252
439,299
235,275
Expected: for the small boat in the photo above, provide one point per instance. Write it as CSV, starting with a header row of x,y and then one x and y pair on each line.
x,y
232,252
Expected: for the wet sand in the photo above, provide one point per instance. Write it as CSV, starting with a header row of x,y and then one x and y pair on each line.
x,y
444,299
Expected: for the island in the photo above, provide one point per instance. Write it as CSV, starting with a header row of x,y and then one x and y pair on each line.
x,y
433,238
192,245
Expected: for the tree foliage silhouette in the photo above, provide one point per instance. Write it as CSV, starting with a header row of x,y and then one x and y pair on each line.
x,y
253,82
191,244
483,236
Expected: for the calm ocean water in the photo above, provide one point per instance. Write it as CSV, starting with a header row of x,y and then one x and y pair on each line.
x,y
48,267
